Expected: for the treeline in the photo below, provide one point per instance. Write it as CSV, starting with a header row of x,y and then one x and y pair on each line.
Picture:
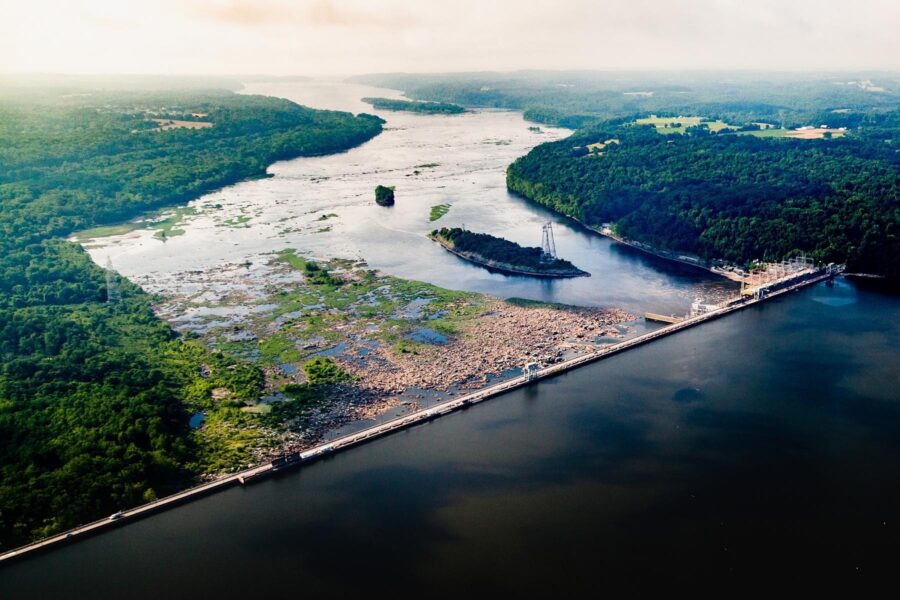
x,y
95,397
582,98
730,196
445,108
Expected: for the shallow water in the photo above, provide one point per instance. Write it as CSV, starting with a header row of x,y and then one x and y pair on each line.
x,y
293,209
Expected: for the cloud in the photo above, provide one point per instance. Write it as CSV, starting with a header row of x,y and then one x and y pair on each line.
x,y
308,13
321,37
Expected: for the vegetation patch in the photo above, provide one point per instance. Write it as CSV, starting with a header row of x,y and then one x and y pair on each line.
x,y
731,197
384,195
441,108
680,124
503,255
96,396
438,211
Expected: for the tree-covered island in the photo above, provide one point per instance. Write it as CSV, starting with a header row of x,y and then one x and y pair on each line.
x,y
504,256
437,108
384,195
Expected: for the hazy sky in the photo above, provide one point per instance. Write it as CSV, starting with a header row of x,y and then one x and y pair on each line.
x,y
320,37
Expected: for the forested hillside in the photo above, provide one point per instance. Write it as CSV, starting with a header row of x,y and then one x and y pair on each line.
x,y
94,397
730,196
577,99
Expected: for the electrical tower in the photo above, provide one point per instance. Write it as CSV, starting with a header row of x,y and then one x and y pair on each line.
x,y
548,244
112,283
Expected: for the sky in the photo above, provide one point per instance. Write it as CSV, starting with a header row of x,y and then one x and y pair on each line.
x,y
345,37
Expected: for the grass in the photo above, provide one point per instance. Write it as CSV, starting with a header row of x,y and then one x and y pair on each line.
x,y
226,438
168,227
279,348
106,231
681,123
438,211
235,222
528,303
165,228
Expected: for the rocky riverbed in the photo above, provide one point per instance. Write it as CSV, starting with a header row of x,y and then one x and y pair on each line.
x,y
402,343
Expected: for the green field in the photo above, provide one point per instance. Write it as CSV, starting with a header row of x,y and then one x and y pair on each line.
x,y
668,125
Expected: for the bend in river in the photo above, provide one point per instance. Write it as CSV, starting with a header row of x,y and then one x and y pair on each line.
x,y
324,207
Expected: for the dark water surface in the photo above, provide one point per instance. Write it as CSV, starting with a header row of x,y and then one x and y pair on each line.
x,y
759,444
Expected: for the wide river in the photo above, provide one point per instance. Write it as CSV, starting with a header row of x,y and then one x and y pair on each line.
x,y
324,207
763,443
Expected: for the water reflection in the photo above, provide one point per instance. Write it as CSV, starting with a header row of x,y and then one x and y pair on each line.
x,y
757,445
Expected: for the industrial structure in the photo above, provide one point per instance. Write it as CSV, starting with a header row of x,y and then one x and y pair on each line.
x,y
548,244
771,274
112,283
532,372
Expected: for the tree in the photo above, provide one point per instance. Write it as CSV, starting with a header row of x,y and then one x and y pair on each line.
x,y
384,196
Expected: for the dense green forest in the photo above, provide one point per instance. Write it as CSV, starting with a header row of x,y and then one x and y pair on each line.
x,y
499,250
95,396
442,108
729,195
577,99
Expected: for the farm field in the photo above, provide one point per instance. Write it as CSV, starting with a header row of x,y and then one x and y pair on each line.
x,y
669,125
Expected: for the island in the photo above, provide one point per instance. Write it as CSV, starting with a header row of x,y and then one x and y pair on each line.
x,y
503,256
442,108
384,195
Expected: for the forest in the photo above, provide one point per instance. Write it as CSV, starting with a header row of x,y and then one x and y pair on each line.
x,y
436,108
95,396
577,99
730,196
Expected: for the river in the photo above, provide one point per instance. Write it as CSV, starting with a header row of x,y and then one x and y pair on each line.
x,y
431,159
764,443
759,444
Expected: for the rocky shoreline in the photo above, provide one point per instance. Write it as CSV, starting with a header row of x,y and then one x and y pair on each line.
x,y
404,344
498,343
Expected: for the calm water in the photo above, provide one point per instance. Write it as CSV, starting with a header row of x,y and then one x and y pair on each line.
x,y
324,207
763,443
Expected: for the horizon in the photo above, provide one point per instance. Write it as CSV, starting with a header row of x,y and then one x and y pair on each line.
x,y
344,38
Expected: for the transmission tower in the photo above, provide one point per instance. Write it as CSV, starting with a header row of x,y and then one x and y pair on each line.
x,y
548,244
112,283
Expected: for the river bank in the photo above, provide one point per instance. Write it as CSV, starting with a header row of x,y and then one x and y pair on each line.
x,y
298,457
404,344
